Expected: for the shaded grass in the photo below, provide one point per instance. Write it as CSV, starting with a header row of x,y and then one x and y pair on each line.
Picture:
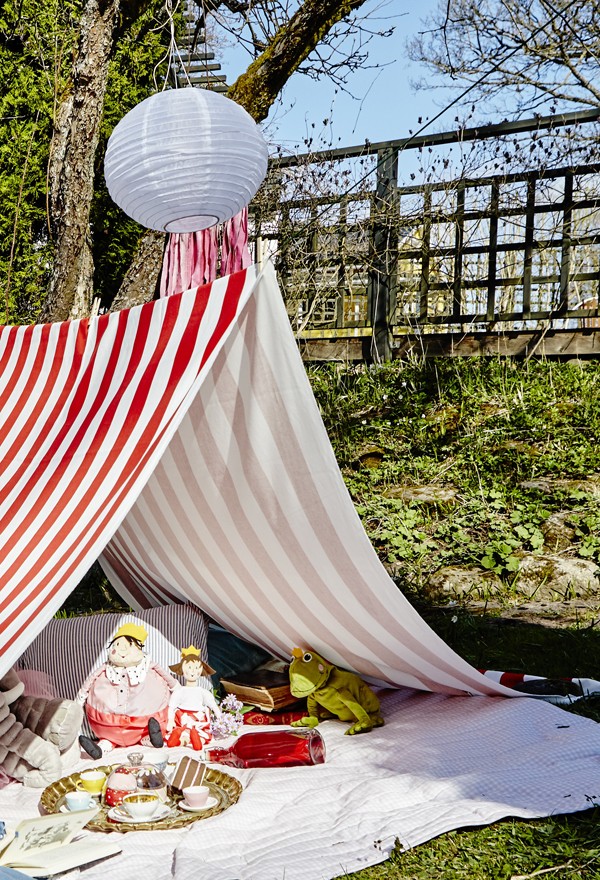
x,y
93,593
489,641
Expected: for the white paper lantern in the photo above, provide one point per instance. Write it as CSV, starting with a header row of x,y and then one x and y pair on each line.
x,y
184,160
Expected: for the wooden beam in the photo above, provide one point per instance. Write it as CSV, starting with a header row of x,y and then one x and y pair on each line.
x,y
555,343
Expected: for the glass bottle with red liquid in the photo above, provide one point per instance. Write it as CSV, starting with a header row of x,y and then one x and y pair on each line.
x,y
271,748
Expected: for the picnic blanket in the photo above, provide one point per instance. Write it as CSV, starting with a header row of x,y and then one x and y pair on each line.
x,y
439,763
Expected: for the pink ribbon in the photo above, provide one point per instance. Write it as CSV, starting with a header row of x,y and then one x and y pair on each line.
x,y
191,258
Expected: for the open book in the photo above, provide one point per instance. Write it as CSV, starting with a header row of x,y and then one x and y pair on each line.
x,y
42,846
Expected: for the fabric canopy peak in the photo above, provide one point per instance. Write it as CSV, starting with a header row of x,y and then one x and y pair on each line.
x,y
181,442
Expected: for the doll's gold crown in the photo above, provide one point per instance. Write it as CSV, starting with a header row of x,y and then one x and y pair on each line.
x,y
133,631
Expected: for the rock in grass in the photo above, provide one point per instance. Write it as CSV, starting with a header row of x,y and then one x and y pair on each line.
x,y
552,577
559,531
474,583
429,496
370,456
552,485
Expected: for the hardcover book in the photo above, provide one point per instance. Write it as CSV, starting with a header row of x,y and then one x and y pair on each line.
x,y
42,847
292,713
264,688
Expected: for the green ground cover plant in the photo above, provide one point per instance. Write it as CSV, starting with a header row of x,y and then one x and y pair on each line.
x,y
479,429
482,427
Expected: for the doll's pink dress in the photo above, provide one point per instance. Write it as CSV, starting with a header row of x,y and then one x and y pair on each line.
x,y
119,701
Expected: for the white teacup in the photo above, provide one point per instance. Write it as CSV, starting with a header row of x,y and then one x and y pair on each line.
x,y
78,800
141,805
196,796
159,758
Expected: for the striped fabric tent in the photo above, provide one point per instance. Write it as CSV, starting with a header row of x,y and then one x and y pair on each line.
x,y
180,442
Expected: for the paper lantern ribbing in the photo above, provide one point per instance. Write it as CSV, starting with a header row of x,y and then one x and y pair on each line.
x,y
184,160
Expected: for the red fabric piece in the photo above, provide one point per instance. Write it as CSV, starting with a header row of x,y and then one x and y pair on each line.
x,y
88,409
234,248
191,258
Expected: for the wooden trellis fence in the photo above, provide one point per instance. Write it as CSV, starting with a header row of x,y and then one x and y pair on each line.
x,y
474,262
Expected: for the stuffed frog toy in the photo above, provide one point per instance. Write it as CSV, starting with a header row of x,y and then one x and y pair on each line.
x,y
332,693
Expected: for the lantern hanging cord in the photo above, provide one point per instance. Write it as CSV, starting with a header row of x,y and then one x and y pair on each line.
x,y
172,55
203,22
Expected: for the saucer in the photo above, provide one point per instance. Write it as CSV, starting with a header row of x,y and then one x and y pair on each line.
x,y
64,808
119,814
210,803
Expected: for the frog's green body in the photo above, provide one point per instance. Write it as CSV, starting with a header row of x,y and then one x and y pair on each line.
x,y
332,693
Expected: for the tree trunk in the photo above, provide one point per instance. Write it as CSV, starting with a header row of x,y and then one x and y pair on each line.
x,y
140,282
71,164
257,88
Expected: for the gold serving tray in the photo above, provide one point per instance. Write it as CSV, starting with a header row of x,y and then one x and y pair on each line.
x,y
225,788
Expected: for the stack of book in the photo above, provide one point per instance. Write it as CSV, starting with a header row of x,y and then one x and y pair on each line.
x,y
263,688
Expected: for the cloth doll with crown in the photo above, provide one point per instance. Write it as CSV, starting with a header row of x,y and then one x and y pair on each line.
x,y
126,700
190,705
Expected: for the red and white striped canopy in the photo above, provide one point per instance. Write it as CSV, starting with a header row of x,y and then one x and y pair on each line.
x,y
181,440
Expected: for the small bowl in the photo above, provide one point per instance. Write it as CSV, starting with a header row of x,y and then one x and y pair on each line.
x,y
141,805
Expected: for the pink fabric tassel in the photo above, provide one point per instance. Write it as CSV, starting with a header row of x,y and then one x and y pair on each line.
x,y
235,254
4,779
190,258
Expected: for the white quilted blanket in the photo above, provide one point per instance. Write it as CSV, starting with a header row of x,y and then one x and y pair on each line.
x,y
439,763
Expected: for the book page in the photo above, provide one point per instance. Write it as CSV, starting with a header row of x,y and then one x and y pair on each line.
x,y
33,838
70,856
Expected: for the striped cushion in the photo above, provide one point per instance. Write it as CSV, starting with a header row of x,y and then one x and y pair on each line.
x,y
68,649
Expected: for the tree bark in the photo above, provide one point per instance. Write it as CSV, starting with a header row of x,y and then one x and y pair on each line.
x,y
257,89
141,281
71,164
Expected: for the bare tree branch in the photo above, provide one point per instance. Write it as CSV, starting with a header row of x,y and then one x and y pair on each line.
x,y
259,86
518,53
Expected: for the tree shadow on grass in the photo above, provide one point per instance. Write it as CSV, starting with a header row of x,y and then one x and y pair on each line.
x,y
491,642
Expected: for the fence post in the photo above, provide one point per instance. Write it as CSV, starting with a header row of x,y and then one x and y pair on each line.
x,y
384,256
565,255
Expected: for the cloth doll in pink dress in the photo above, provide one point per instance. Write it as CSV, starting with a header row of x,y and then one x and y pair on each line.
x,y
127,699
188,722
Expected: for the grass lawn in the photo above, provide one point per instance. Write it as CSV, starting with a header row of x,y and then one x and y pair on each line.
x,y
484,428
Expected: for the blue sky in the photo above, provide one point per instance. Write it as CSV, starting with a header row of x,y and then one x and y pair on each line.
x,y
382,105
